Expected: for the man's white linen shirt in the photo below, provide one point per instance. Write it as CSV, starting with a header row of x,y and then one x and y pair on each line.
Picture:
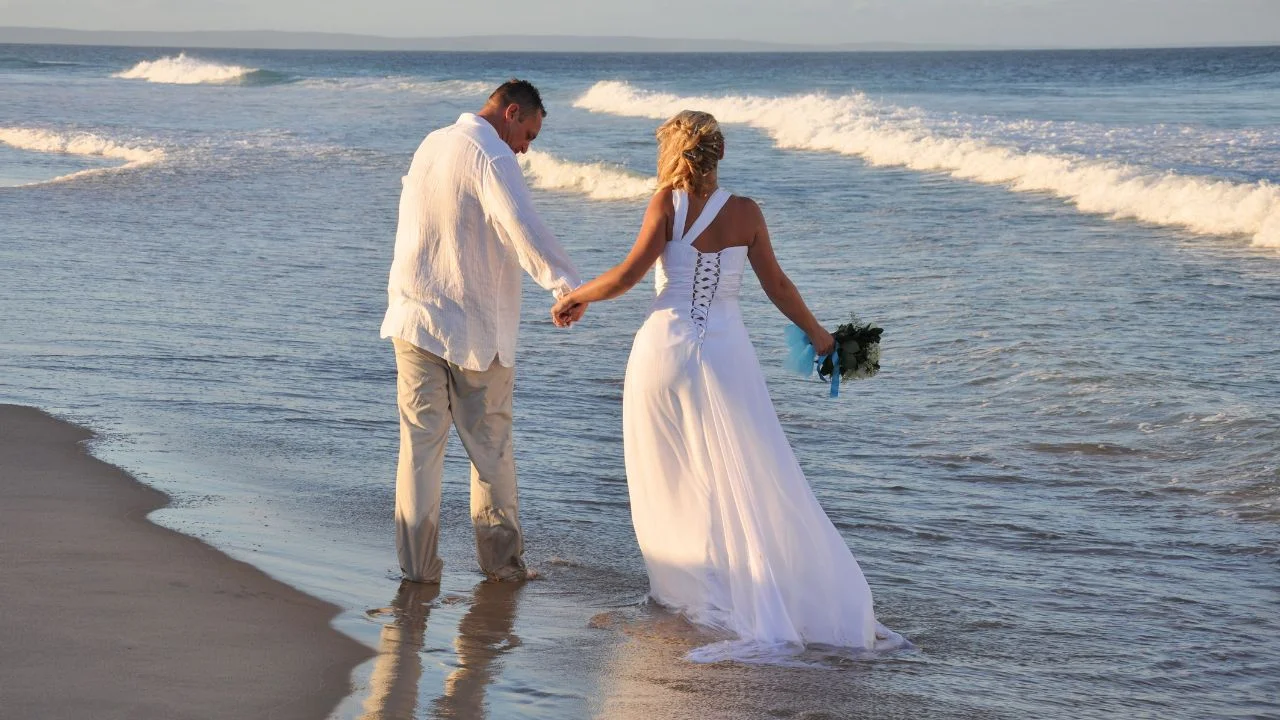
x,y
467,227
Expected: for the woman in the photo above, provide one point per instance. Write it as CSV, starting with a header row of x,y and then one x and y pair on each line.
x,y
731,533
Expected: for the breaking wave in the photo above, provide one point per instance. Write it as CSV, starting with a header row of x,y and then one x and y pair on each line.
x,y
438,88
598,181
887,136
80,143
183,70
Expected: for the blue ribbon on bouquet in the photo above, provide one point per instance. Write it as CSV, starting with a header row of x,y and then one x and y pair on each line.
x,y
802,358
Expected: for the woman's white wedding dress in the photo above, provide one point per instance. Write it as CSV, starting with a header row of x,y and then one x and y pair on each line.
x,y
732,535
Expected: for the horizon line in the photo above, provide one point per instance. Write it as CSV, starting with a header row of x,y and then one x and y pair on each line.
x,y
657,44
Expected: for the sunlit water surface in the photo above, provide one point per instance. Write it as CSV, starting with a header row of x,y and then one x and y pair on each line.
x,y
1063,486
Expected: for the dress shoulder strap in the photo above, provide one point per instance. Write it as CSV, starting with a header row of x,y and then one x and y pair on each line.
x,y
714,205
680,201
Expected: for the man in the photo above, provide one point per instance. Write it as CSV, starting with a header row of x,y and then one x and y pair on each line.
x,y
467,226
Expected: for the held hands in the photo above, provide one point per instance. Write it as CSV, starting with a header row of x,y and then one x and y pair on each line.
x,y
567,311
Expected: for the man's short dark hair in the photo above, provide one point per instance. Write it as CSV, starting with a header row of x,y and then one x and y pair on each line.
x,y
520,92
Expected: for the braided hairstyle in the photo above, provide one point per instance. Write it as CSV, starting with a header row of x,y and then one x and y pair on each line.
x,y
689,149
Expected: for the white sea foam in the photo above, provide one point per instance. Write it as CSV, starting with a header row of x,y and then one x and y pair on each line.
x,y
598,181
883,135
80,143
183,70
437,88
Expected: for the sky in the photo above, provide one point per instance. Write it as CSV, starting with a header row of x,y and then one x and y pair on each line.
x,y
988,23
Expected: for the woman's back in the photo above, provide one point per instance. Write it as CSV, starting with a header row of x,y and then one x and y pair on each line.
x,y
702,285
733,226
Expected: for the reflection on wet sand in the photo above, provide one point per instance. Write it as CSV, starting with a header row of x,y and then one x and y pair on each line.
x,y
484,634
393,686
648,677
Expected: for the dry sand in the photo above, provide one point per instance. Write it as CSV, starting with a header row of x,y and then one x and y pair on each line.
x,y
105,615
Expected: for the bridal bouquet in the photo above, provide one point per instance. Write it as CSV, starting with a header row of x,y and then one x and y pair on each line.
x,y
856,355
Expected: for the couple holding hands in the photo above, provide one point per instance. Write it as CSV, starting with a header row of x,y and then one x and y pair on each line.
x,y
732,536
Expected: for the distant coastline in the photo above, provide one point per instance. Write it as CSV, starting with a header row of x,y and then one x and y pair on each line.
x,y
280,40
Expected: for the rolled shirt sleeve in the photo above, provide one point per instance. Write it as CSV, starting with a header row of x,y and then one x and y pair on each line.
x,y
509,204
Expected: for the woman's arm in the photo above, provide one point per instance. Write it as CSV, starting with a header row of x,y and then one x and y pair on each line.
x,y
655,231
781,291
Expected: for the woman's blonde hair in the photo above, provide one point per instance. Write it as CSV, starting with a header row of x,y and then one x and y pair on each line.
x,y
689,149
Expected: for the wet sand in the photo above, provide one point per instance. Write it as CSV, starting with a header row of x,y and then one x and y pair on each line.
x,y
497,650
106,615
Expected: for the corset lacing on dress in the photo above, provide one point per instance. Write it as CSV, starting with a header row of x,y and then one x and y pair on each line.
x,y
706,278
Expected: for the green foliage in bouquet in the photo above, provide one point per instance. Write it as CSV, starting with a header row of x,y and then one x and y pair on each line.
x,y
858,344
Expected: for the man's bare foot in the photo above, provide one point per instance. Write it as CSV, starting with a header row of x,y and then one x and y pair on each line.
x,y
513,575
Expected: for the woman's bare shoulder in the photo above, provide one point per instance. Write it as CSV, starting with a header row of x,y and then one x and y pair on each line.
x,y
663,195
745,209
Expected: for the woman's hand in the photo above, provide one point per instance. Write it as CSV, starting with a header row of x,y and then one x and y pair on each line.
x,y
823,342
567,311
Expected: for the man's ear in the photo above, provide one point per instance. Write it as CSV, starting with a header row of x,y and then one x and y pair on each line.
x,y
512,113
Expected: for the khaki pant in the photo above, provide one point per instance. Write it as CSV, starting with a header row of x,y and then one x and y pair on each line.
x,y
434,394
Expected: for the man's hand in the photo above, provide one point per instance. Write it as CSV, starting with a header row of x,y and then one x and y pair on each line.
x,y
567,311
576,312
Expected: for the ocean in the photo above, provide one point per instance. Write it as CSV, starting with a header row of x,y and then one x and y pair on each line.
x,y
1063,487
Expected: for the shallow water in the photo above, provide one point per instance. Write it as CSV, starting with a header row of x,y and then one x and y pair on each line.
x,y
1062,488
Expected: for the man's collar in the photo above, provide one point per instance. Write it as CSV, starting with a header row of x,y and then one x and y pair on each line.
x,y
476,121
485,126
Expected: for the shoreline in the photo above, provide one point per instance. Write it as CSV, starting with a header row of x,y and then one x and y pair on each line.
x,y
110,615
